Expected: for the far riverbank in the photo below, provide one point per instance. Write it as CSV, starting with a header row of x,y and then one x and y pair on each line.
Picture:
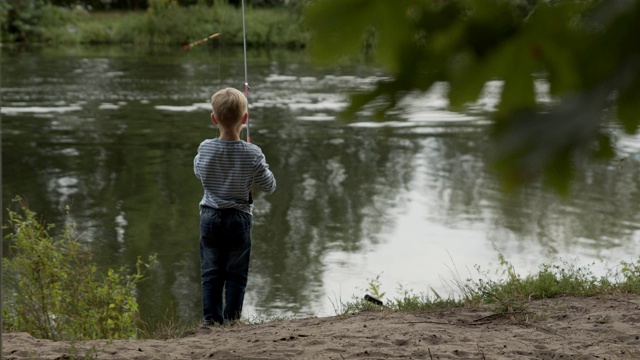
x,y
164,24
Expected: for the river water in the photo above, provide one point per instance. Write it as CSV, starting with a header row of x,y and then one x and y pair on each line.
x,y
408,202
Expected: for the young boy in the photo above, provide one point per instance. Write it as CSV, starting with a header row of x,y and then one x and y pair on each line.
x,y
227,168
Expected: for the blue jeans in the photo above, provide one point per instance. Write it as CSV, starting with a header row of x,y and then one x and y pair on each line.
x,y
225,250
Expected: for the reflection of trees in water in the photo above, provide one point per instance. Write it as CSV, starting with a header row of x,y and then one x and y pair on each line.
x,y
602,210
335,188
125,173
134,192
134,195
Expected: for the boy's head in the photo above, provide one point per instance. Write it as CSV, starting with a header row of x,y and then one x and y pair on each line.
x,y
229,107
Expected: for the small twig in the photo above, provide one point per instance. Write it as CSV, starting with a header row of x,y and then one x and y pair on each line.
x,y
542,328
481,352
486,317
423,322
497,316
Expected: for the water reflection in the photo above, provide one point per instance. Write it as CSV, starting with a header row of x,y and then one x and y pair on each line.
x,y
112,135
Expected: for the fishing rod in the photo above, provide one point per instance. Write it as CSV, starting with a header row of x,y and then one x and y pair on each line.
x,y
246,78
246,83
246,94
201,41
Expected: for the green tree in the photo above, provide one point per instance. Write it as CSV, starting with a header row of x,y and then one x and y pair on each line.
x,y
19,19
586,51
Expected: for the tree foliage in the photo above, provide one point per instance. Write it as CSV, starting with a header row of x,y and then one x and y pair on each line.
x,y
585,51
53,290
19,19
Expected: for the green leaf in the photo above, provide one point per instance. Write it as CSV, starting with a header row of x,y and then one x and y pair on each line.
x,y
468,78
516,68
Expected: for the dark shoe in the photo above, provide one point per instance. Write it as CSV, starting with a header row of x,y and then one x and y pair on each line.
x,y
209,323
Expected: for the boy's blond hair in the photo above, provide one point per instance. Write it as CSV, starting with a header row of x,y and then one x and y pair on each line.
x,y
229,106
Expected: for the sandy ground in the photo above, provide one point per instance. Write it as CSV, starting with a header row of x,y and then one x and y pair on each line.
x,y
567,328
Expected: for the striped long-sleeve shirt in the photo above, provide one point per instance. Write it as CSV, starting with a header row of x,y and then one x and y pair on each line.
x,y
228,169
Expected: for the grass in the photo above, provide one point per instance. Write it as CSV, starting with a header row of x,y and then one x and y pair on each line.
x,y
172,25
508,296
170,327
511,294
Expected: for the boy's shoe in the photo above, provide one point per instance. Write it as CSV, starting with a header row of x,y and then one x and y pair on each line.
x,y
237,322
209,323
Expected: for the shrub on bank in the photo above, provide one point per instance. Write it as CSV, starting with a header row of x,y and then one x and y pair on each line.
x,y
52,289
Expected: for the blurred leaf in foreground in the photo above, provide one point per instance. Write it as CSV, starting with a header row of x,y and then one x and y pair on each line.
x,y
587,53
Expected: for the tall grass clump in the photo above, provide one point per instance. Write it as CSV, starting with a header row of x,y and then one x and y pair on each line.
x,y
53,290
511,291
169,327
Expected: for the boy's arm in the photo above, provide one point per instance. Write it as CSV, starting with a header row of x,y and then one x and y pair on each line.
x,y
263,177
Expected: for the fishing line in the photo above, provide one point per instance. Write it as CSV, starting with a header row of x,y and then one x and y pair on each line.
x,y
222,18
202,41
210,37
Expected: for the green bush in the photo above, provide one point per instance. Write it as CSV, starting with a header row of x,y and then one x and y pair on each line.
x,y
630,274
53,290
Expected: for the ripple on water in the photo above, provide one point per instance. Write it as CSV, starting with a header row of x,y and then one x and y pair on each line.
x,y
184,108
316,117
275,77
69,152
323,105
109,106
14,110
65,185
